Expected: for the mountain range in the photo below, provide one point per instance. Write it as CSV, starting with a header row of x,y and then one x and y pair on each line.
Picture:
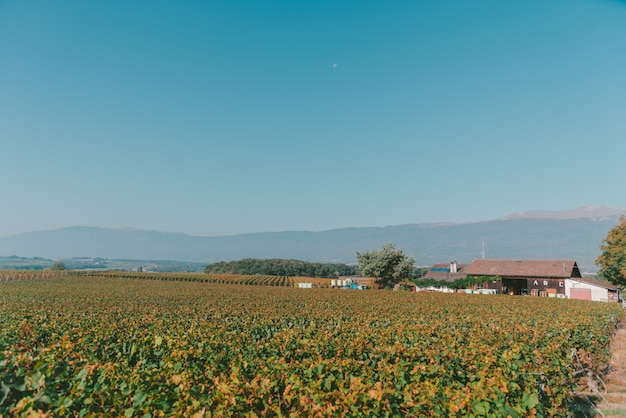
x,y
574,234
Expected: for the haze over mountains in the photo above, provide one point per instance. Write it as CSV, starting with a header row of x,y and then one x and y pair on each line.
x,y
573,234
593,212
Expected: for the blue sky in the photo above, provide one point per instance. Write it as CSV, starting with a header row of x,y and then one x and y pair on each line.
x,y
227,117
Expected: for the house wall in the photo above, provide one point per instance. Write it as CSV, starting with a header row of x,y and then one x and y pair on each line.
x,y
541,286
534,286
495,284
597,293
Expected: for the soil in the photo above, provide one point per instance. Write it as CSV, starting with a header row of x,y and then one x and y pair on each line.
x,y
610,400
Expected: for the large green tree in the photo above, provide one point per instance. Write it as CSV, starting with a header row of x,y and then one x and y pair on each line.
x,y
612,261
389,266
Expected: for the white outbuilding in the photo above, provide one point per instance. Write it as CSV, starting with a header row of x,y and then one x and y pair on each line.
x,y
589,289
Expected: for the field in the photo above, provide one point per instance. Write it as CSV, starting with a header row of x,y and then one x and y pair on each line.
x,y
89,346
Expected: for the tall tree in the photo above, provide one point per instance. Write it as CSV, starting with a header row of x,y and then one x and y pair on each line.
x,y
389,266
612,261
58,265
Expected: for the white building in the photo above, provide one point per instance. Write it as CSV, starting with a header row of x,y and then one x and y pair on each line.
x,y
587,289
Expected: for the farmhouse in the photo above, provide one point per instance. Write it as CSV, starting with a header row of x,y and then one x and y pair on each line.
x,y
552,278
526,277
447,272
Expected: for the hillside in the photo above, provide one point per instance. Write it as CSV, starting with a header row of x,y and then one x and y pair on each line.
x,y
519,237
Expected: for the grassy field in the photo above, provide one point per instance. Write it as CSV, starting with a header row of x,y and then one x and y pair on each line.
x,y
89,346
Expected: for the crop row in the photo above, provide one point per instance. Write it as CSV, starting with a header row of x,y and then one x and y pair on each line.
x,y
83,346
251,280
239,279
16,275
242,279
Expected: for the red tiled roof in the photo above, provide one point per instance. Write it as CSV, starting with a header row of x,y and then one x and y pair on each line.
x,y
441,272
524,268
599,283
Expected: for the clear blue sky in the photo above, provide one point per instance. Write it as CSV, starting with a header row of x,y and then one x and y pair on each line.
x,y
227,117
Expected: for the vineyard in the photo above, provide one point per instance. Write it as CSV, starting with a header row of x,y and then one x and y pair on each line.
x,y
249,280
184,345
241,279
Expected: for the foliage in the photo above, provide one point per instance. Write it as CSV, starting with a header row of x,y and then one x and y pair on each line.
x,y
281,267
58,265
418,272
462,283
85,263
94,346
612,261
389,266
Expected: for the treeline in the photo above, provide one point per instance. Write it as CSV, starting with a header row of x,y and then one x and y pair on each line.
x,y
281,267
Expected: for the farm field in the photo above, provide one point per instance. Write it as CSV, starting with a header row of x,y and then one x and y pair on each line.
x,y
89,346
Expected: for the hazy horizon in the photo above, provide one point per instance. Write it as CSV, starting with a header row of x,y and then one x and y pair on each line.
x,y
599,212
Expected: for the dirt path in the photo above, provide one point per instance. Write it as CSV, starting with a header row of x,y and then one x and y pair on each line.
x,y
612,403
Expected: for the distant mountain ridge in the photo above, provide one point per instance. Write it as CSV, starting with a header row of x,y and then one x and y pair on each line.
x,y
593,212
526,235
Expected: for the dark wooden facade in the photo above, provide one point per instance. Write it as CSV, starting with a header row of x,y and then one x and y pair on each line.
x,y
534,286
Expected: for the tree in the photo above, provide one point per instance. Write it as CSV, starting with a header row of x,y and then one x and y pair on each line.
x,y
280,267
612,261
58,266
389,266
